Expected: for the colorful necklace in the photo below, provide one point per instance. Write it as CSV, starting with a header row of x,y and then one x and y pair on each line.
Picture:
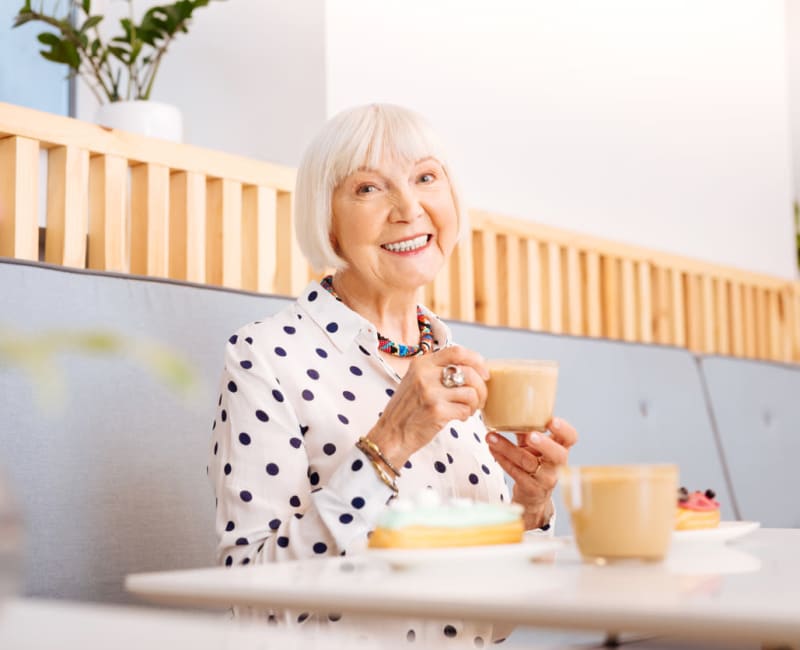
x,y
388,346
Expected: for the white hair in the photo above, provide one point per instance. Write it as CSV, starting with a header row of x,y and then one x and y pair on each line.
x,y
356,138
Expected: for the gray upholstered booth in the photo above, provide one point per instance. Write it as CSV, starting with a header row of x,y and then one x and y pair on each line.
x,y
112,479
756,407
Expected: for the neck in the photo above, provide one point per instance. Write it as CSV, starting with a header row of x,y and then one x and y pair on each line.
x,y
392,310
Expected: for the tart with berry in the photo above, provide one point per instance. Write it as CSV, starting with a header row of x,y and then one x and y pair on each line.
x,y
696,510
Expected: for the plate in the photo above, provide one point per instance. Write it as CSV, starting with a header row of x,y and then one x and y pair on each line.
x,y
403,558
725,532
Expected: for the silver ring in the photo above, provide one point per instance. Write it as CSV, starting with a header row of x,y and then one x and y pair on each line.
x,y
452,376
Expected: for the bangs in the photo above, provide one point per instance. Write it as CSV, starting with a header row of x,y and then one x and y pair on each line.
x,y
388,133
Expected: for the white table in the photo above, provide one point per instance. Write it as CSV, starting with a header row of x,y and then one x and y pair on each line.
x,y
745,591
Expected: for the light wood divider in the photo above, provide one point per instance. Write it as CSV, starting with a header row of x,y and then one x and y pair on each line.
x,y
120,202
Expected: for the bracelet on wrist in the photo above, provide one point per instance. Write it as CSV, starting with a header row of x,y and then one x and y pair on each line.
x,y
376,451
390,482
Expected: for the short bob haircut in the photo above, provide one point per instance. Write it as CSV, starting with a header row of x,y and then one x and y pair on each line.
x,y
357,138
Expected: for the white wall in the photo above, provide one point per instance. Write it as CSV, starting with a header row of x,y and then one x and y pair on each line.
x,y
659,122
248,77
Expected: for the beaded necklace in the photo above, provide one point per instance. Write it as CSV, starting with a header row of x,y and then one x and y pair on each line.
x,y
388,346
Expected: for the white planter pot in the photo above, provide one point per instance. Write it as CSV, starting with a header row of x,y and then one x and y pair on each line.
x,y
153,119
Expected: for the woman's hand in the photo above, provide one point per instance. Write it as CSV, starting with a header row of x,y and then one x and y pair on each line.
x,y
533,464
422,405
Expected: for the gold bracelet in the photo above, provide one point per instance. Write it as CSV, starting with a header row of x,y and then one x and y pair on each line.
x,y
388,480
376,451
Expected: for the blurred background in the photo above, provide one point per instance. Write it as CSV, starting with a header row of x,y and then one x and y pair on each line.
x,y
670,124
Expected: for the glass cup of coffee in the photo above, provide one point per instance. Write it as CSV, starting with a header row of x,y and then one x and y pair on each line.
x,y
621,512
521,394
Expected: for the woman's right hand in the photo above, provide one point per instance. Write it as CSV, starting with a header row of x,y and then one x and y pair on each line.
x,y
422,405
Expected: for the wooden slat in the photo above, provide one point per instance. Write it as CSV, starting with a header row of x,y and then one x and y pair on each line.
x,y
645,290
738,326
259,214
462,283
793,320
292,270
510,280
628,301
693,312
722,323
150,220
108,214
19,199
662,330
187,227
554,305
594,311
484,251
612,322
774,324
575,291
749,315
678,316
762,333
531,262
224,232
708,314
67,206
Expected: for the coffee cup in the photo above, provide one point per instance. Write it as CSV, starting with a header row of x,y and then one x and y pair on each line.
x,y
521,394
621,512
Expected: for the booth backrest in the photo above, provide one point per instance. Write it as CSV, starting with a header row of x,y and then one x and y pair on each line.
x,y
111,479
756,406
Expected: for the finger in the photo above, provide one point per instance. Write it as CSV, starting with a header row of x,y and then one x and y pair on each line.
x,y
502,448
538,486
552,451
563,432
463,395
459,355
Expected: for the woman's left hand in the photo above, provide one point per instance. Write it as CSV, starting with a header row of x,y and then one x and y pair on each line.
x,y
533,464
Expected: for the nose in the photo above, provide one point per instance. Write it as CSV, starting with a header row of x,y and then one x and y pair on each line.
x,y
406,206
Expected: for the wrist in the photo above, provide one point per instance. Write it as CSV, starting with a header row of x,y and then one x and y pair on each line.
x,y
538,517
391,445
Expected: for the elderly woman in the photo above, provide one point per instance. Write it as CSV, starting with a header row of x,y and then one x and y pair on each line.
x,y
352,371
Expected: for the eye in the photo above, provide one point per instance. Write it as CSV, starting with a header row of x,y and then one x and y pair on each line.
x,y
366,188
427,177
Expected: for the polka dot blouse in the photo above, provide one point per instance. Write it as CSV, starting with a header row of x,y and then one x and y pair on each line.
x,y
297,391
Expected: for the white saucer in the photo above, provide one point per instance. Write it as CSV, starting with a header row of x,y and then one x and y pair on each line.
x,y
403,558
725,532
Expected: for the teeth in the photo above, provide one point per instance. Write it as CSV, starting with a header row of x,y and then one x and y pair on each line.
x,y
408,245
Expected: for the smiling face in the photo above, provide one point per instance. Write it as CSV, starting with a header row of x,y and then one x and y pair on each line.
x,y
395,224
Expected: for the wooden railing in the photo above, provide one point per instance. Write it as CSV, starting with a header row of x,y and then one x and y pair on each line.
x,y
126,203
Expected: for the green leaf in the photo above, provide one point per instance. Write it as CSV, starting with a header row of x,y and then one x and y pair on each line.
x,y
73,58
87,6
48,38
92,21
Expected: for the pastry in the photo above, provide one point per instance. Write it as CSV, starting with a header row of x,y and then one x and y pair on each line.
x,y
425,522
696,510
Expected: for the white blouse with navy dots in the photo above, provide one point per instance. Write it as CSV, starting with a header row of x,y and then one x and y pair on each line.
x,y
298,390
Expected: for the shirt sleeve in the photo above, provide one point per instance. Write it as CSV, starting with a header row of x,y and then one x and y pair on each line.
x,y
269,506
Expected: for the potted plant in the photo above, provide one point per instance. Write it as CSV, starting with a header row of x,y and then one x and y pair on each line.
x,y
120,70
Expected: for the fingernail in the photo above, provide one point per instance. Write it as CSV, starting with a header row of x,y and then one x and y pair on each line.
x,y
534,438
491,438
555,424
